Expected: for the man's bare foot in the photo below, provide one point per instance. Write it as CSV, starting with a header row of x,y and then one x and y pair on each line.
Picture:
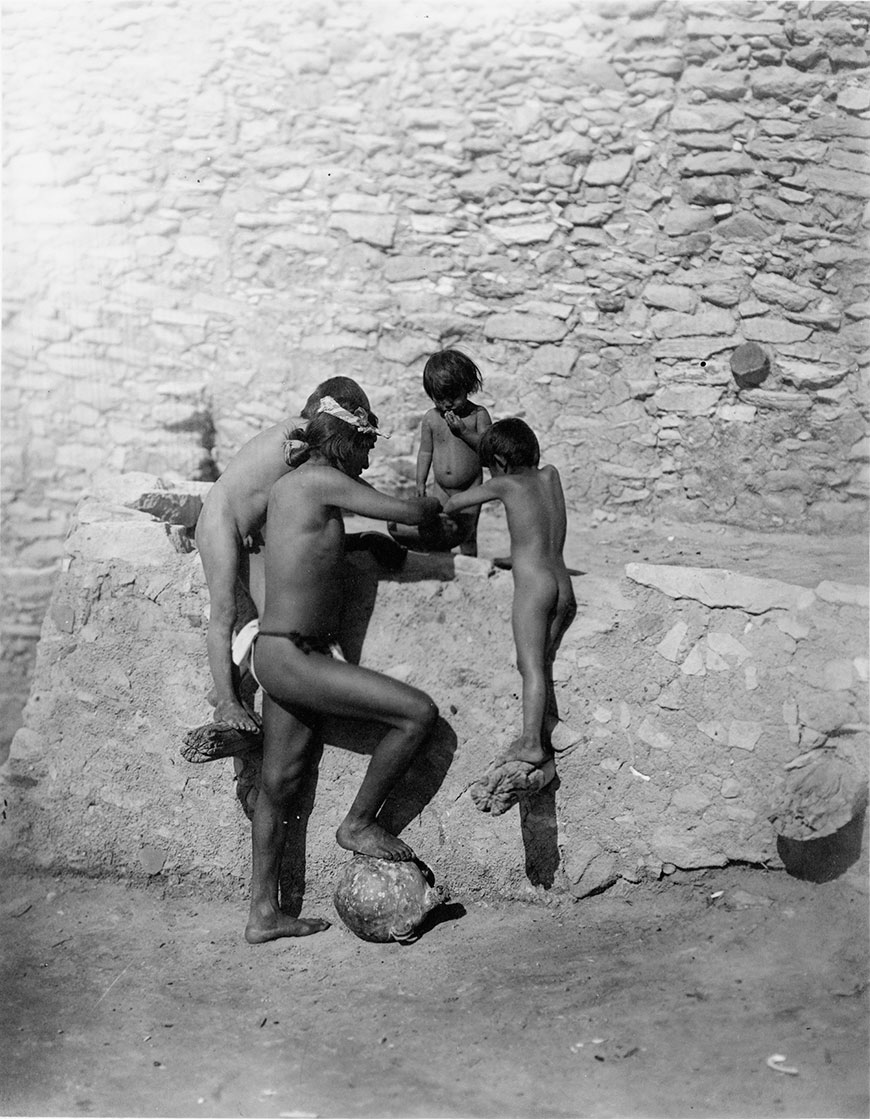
x,y
522,750
234,715
372,839
271,925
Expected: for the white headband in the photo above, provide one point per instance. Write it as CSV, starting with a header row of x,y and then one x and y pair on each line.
x,y
359,418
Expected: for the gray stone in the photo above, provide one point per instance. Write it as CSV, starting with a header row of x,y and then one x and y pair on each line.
x,y
719,587
401,268
775,331
694,400
700,348
847,594
680,220
374,229
524,233
773,288
525,328
149,541
717,163
707,118
851,183
406,349
674,325
742,227
806,375
854,99
602,172
593,214
669,646
720,85
786,85
671,297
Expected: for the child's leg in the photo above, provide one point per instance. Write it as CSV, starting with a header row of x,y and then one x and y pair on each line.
x,y
287,749
563,616
467,521
530,620
332,687
219,549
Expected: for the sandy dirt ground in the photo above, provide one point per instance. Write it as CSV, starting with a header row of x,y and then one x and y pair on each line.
x,y
665,998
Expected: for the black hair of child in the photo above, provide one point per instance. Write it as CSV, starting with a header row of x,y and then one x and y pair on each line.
x,y
511,440
448,372
343,390
335,439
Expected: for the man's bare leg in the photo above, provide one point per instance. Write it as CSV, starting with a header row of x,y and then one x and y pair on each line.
x,y
287,752
360,831
333,687
220,561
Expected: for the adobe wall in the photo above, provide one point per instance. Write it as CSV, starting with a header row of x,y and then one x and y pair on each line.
x,y
210,206
706,718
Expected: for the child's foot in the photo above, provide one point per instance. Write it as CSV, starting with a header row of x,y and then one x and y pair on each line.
x,y
522,750
372,839
271,925
234,715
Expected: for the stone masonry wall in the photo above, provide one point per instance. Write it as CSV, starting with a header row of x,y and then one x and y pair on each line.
x,y
212,205
706,718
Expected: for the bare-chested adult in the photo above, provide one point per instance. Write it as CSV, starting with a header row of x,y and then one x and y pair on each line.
x,y
230,529
296,662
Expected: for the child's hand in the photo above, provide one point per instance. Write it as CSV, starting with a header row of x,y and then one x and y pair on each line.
x,y
453,422
421,490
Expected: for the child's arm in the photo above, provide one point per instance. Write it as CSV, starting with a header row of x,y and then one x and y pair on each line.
x,y
424,456
475,495
469,432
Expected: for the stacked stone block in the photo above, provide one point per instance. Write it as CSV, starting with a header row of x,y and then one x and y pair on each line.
x,y
706,718
210,207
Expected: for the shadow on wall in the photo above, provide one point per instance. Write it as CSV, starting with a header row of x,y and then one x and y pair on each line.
x,y
825,858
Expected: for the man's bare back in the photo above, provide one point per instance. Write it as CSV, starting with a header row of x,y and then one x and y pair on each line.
x,y
243,488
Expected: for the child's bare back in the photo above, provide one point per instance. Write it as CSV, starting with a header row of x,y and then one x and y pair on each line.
x,y
544,601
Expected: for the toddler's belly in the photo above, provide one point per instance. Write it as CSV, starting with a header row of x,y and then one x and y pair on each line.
x,y
455,478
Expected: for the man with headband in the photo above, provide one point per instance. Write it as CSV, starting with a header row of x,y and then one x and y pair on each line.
x,y
294,657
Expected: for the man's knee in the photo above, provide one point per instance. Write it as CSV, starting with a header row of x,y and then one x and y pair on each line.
x,y
425,715
281,783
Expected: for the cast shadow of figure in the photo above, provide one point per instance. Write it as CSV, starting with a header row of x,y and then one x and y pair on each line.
x,y
412,792
826,858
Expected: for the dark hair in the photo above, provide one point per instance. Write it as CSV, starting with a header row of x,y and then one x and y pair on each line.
x,y
333,438
344,390
512,440
450,371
